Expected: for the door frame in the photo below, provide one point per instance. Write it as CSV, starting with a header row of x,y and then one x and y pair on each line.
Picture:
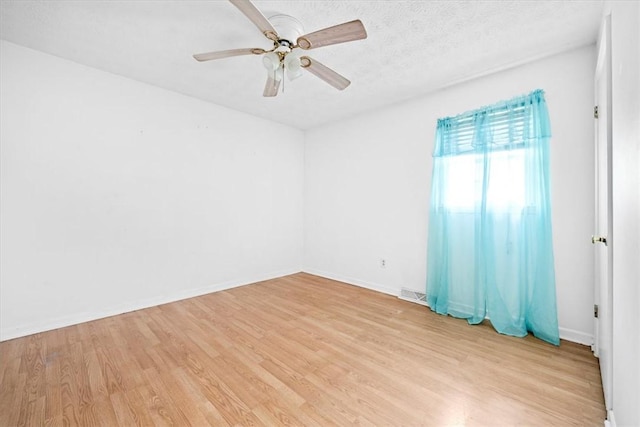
x,y
603,252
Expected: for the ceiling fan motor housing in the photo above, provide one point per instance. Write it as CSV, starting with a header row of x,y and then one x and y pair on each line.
x,y
288,28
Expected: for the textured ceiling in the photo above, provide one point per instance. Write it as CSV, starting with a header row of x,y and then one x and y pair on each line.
x,y
413,47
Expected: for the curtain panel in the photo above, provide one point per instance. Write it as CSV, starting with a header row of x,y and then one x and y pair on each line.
x,y
490,252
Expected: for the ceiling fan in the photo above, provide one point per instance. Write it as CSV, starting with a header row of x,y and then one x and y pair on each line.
x,y
285,54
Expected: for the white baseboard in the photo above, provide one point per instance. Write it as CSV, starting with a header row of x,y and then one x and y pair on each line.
x,y
611,420
351,281
576,336
76,318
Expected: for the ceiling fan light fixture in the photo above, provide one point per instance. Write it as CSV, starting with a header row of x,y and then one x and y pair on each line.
x,y
292,65
271,61
293,74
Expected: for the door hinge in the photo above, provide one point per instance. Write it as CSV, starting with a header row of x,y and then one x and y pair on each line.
x,y
595,240
595,112
595,311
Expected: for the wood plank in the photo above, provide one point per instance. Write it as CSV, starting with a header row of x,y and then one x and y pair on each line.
x,y
297,350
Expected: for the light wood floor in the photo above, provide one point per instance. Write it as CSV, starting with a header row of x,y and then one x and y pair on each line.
x,y
299,350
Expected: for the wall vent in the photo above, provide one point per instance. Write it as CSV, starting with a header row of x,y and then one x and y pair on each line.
x,y
413,296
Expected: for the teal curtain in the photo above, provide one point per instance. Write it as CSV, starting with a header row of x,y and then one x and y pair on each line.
x,y
490,252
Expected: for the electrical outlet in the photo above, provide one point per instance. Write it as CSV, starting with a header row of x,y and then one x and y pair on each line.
x,y
383,263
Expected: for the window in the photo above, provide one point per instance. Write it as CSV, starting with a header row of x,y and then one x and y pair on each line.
x,y
465,178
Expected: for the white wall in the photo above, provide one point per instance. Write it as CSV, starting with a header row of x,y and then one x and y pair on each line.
x,y
625,51
367,184
118,195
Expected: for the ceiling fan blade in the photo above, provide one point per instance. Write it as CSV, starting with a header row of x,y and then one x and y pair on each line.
x,y
272,86
258,19
227,53
349,31
324,72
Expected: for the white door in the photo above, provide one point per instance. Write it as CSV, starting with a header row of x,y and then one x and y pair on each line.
x,y
603,238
